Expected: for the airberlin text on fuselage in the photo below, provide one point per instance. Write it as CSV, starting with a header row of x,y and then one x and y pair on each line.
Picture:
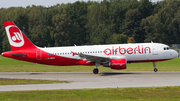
x,y
129,50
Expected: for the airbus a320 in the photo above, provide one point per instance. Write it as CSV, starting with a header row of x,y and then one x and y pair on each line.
x,y
115,56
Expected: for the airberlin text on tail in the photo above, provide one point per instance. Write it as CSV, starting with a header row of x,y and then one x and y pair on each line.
x,y
17,40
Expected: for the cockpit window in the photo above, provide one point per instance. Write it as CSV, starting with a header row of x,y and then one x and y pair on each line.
x,y
167,48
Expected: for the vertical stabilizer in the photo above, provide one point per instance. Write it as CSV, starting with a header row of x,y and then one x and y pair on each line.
x,y
17,40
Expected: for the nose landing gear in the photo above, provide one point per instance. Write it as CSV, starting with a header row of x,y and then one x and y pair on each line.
x,y
155,69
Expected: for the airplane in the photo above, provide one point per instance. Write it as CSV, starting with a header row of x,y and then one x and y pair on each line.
x,y
114,56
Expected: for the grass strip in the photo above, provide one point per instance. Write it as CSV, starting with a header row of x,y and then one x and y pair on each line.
x,y
109,94
11,65
4,81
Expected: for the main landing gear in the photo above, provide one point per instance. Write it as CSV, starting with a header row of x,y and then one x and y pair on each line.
x,y
155,69
96,70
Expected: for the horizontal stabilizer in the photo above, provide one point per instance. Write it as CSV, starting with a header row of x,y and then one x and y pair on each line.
x,y
16,54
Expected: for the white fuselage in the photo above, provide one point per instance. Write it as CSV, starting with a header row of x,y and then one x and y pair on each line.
x,y
131,52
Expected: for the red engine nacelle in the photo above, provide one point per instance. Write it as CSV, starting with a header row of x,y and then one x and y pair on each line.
x,y
116,64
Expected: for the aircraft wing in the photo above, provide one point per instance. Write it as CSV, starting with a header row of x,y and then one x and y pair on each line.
x,y
92,58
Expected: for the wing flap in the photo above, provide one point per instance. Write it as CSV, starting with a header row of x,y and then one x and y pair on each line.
x,y
92,58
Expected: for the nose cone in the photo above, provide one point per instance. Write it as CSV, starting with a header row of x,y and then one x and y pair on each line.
x,y
175,54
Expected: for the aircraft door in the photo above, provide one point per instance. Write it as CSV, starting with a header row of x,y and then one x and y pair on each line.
x,y
38,55
155,50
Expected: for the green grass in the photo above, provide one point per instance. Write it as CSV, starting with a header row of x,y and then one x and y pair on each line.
x,y
170,65
28,81
11,65
109,94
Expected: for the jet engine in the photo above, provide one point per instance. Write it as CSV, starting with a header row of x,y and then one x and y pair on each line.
x,y
116,64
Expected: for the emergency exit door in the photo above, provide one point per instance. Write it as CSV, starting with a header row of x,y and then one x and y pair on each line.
x,y
155,50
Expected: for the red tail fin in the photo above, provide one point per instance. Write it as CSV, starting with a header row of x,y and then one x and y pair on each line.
x,y
17,40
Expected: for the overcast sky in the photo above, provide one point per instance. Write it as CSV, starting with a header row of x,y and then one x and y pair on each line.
x,y
47,3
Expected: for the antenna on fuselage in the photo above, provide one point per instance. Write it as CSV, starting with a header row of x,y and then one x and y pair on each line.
x,y
75,45
151,41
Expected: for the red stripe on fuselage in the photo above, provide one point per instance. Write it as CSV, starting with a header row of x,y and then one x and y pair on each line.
x,y
48,59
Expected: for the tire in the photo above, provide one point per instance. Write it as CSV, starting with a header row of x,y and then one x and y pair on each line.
x,y
155,69
95,71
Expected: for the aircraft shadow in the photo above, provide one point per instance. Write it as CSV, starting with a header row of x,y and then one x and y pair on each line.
x,y
6,78
115,73
35,73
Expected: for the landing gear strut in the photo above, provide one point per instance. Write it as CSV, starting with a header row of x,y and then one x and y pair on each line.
x,y
96,70
155,69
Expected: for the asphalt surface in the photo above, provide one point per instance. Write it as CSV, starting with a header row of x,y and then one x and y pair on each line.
x,y
81,80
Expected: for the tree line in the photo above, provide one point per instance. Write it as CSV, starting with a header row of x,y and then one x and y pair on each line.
x,y
86,23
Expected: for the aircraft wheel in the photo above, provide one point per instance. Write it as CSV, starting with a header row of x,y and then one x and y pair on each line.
x,y
95,71
155,69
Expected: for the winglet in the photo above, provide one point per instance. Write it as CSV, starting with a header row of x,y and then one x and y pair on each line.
x,y
73,53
